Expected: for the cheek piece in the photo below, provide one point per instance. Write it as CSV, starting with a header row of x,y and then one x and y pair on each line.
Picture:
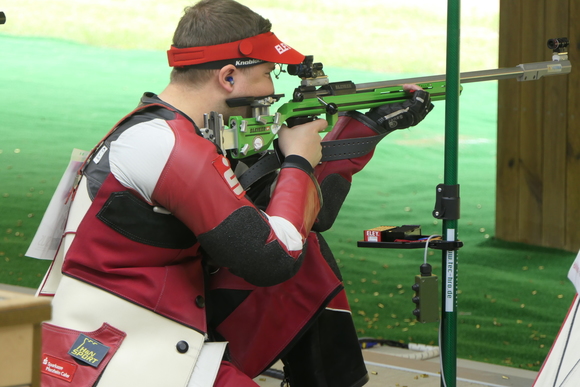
x,y
250,51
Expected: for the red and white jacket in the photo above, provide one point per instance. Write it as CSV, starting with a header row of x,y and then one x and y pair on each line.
x,y
144,239
167,211
164,207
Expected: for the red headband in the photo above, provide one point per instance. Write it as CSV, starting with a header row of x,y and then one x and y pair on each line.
x,y
264,47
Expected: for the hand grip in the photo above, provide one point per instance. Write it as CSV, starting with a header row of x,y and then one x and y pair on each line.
x,y
299,120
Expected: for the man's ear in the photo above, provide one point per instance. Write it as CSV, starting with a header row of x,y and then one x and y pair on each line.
x,y
226,77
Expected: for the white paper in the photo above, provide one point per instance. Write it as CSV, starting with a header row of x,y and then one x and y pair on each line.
x,y
450,275
49,234
574,273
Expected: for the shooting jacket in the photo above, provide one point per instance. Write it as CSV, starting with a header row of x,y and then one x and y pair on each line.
x,y
197,260
134,253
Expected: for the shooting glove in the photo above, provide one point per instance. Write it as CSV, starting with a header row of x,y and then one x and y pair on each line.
x,y
386,118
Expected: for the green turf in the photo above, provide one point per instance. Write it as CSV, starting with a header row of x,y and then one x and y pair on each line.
x,y
59,95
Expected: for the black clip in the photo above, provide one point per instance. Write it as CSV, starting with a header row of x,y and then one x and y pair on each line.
x,y
447,202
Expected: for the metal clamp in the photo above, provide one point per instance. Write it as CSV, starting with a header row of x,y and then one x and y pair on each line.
x,y
447,202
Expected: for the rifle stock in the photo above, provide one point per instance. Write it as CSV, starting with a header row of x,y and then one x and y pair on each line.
x,y
248,136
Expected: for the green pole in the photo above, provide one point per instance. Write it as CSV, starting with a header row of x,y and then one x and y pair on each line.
x,y
449,313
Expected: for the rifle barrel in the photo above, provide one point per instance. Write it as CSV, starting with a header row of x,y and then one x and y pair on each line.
x,y
524,72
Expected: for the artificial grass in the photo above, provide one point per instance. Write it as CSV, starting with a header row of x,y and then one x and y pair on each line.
x,y
60,95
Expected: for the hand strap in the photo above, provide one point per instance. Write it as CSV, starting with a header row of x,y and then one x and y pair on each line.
x,y
331,150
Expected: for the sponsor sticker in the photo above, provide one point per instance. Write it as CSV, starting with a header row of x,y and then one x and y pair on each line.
x,y
88,350
282,48
100,154
222,165
248,62
58,368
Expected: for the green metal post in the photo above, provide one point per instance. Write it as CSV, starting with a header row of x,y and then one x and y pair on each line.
x,y
449,314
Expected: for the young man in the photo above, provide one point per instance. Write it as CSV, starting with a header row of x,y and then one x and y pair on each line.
x,y
171,256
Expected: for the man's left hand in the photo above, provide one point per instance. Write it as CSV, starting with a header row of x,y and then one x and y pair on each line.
x,y
405,114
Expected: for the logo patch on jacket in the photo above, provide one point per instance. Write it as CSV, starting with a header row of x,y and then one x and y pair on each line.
x,y
88,350
58,368
222,165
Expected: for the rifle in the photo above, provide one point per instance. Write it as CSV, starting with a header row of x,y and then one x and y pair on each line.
x,y
317,96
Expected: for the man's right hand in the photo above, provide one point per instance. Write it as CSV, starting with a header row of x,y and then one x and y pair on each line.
x,y
303,140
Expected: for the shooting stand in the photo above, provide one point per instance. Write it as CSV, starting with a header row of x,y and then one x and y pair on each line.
x,y
447,200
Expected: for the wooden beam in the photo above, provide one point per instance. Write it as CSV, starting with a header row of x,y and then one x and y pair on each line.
x,y
508,138
531,137
538,164
572,197
555,121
